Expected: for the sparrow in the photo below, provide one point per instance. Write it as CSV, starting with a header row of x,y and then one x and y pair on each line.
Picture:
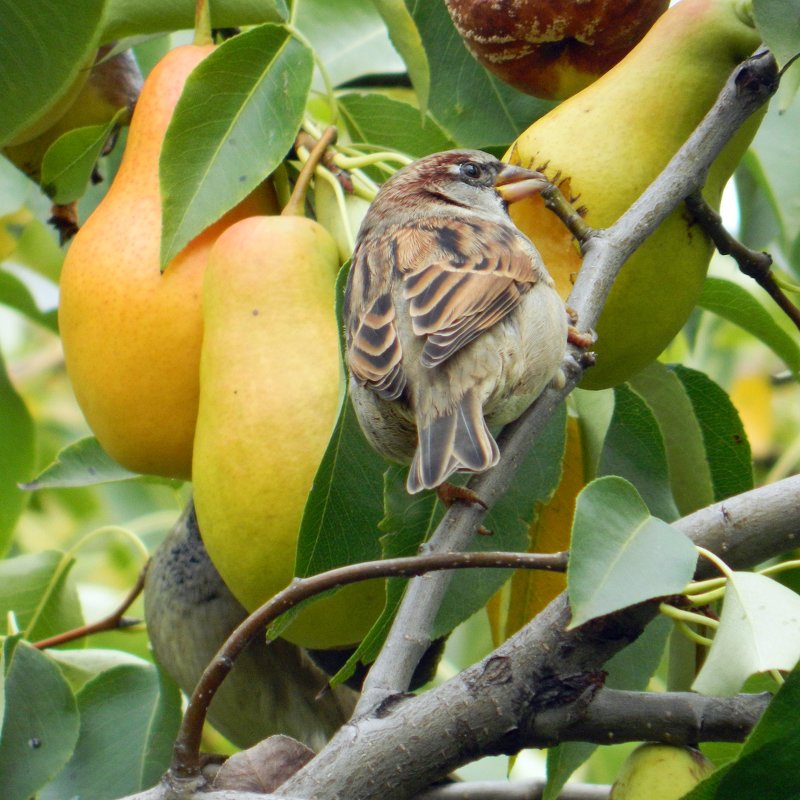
x,y
452,322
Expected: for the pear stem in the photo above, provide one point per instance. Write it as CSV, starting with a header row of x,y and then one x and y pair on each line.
x,y
296,205
202,23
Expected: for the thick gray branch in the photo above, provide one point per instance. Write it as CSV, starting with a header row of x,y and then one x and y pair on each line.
x,y
678,717
544,672
747,89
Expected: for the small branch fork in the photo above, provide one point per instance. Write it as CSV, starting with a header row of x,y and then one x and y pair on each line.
x,y
186,757
114,621
752,263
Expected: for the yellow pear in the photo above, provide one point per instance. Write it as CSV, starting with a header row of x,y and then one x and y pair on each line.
x,y
269,396
608,142
131,334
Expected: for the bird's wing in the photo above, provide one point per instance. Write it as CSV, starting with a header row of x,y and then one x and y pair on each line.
x,y
460,277
374,354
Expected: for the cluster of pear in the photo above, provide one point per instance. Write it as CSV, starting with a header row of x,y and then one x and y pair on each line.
x,y
225,368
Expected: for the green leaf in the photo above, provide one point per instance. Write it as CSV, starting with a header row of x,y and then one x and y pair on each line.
x,y
630,669
236,120
44,57
409,521
38,591
38,249
790,85
345,505
634,449
760,222
595,411
15,294
40,721
82,463
143,712
81,666
387,123
124,18
620,555
348,36
407,41
17,449
732,302
68,164
778,22
724,439
767,774
780,718
689,471
759,630
474,107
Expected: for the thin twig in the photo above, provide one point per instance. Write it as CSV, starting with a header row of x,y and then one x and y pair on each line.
x,y
186,762
114,621
756,265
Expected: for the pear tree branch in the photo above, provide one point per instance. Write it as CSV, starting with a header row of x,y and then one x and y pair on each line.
x,y
542,672
401,744
748,88
186,761
542,686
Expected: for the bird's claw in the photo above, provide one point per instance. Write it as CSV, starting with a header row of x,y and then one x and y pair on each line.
x,y
449,493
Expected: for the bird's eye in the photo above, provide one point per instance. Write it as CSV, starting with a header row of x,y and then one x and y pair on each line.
x,y
471,170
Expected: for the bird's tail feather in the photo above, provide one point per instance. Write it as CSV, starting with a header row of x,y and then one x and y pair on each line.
x,y
459,440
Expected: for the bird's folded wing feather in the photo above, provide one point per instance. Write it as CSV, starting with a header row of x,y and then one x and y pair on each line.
x,y
459,278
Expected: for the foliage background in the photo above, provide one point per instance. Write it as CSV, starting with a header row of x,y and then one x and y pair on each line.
x,y
71,553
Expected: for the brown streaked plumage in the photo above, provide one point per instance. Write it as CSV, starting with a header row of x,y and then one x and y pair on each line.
x,y
451,318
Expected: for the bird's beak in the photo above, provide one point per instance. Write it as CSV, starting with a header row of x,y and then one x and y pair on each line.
x,y
516,183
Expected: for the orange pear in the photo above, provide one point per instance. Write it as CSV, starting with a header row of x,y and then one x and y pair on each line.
x,y
131,334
